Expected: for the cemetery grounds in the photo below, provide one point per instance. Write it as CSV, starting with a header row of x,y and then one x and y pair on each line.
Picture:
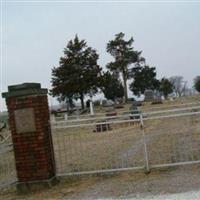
x,y
83,155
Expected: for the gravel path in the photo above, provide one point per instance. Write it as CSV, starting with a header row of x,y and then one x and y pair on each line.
x,y
177,183
171,183
194,195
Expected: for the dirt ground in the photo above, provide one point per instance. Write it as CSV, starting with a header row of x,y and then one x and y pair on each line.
x,y
131,185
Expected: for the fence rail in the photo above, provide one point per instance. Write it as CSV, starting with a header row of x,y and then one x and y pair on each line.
x,y
82,122
102,114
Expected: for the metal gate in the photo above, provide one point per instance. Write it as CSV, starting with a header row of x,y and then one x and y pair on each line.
x,y
173,139
145,141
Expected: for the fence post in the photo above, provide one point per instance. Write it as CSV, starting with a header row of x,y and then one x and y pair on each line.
x,y
31,134
146,158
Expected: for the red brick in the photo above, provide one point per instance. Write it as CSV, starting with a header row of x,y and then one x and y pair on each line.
x,y
33,151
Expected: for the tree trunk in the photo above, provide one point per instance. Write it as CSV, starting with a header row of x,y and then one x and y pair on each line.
x,y
82,101
125,87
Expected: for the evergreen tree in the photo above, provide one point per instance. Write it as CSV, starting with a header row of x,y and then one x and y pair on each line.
x,y
144,77
124,56
197,83
166,87
111,86
77,74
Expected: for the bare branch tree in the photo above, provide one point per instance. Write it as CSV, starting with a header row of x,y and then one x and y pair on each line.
x,y
179,85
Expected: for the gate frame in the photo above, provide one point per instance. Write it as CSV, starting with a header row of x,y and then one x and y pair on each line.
x,y
147,168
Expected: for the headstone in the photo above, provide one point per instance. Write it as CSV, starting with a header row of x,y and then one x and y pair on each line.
x,y
157,101
102,127
149,95
108,103
119,106
110,114
135,113
110,109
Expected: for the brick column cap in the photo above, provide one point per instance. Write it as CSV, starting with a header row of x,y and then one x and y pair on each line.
x,y
24,89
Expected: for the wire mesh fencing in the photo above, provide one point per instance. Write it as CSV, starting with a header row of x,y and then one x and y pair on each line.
x,y
7,162
173,139
98,147
141,143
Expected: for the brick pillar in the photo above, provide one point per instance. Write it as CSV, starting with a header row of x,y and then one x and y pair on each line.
x,y
31,134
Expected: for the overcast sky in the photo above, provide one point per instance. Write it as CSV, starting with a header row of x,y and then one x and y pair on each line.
x,y
34,35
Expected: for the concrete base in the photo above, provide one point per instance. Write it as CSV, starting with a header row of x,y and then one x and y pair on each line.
x,y
27,187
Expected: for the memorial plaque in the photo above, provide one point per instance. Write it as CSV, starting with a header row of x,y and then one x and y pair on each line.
x,y
25,120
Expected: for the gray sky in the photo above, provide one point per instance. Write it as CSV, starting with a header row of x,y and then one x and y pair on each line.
x,y
34,35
